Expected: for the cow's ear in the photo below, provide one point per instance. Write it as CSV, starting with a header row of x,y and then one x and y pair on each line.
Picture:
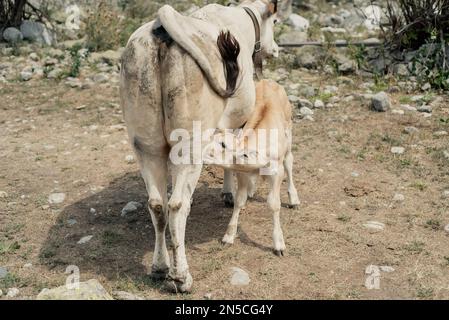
x,y
273,7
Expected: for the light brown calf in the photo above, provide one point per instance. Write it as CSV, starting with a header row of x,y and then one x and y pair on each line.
x,y
263,146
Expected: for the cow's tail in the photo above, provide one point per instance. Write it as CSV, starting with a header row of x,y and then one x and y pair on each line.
x,y
228,46
229,50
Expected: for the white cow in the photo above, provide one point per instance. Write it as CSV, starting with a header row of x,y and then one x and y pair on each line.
x,y
264,142
176,70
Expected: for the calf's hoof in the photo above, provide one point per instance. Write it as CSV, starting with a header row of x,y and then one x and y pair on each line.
x,y
293,206
179,285
158,273
279,253
228,199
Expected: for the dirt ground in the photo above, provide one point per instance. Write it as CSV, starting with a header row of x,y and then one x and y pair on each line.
x,y
58,139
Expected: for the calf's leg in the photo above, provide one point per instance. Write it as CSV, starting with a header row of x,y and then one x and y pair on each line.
x,y
274,202
239,203
292,192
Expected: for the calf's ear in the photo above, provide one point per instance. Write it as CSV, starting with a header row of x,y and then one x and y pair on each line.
x,y
273,7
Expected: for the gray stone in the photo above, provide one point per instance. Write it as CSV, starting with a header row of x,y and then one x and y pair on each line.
x,y
131,207
85,239
386,268
398,197
101,78
411,130
3,194
318,104
374,226
123,295
3,272
12,293
26,75
55,73
304,103
12,35
445,194
397,150
424,108
381,102
56,198
401,70
36,32
298,23
305,111
292,37
239,277
71,222
88,290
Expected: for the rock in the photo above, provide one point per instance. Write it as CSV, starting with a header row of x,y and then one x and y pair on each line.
x,y
411,130
345,65
424,108
307,91
129,159
33,56
374,225
440,133
239,277
304,103
28,265
110,57
12,293
56,198
3,195
26,75
88,290
55,73
305,111
298,23
445,194
208,296
380,102
309,57
330,89
1,292
100,78
332,20
398,197
12,35
446,228
92,211
408,107
446,154
292,37
3,272
397,150
85,239
131,207
386,268
398,111
426,87
401,70
373,16
36,32
318,104
123,295
293,99
71,222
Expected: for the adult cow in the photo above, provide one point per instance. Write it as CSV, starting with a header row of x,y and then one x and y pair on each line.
x,y
176,70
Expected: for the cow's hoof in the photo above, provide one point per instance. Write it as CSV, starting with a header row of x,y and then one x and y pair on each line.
x,y
228,199
227,240
293,206
158,273
279,253
183,285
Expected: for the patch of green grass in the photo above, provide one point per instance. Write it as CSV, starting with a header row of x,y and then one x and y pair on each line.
x,y
405,100
434,224
446,260
392,141
405,162
343,218
110,238
9,281
421,186
415,247
323,96
7,248
424,293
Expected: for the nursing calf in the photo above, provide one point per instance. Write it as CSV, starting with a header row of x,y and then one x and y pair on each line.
x,y
263,147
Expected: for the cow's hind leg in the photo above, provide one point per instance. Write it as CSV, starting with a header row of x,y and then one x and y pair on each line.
x,y
185,180
154,173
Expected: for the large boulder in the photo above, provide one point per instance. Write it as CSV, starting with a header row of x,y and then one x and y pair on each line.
x,y
88,290
36,32
380,102
12,35
298,23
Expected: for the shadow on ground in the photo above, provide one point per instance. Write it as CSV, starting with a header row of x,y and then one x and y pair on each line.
x,y
123,246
